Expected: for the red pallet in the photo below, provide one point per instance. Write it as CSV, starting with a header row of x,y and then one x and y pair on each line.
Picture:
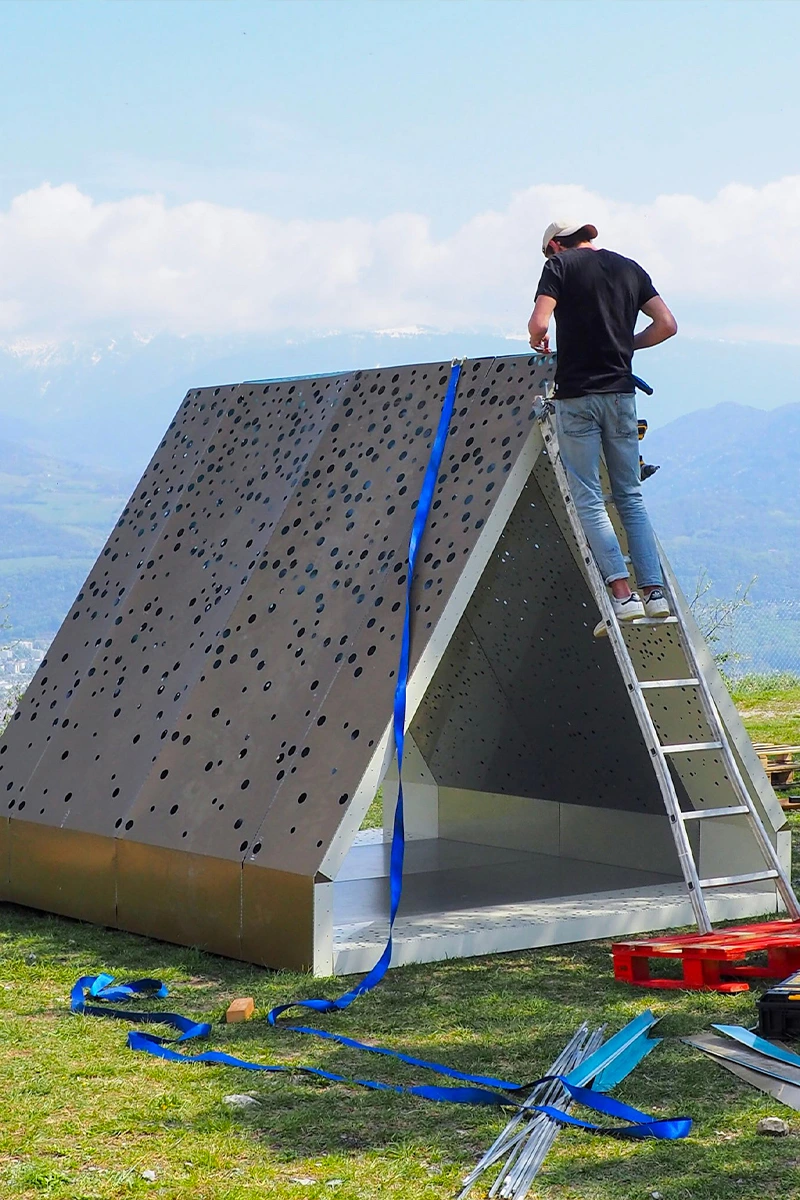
x,y
713,961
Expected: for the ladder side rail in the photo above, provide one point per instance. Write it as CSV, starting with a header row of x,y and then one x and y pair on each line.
x,y
638,702
718,732
741,790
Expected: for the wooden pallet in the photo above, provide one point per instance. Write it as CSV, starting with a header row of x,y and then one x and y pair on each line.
x,y
713,961
781,763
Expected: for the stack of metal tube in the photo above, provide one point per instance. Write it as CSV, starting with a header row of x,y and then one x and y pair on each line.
x,y
522,1146
585,1060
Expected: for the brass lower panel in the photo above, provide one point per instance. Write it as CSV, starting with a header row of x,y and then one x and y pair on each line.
x,y
62,871
256,914
4,844
277,918
191,899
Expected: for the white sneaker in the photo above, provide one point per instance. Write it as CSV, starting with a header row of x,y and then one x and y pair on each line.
x,y
629,609
655,605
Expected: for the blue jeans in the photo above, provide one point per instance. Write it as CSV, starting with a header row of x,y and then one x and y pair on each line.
x,y
584,424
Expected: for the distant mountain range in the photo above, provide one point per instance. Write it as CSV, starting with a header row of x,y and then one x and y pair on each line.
x,y
54,518
727,497
107,401
726,504
79,428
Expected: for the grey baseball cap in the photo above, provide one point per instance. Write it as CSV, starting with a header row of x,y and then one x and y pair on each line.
x,y
564,229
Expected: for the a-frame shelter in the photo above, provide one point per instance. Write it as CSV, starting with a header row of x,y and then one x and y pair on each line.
x,y
196,755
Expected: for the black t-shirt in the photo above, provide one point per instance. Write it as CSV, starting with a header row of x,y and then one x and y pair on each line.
x,y
598,295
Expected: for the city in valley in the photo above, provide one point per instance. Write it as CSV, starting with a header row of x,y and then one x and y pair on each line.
x,y
18,663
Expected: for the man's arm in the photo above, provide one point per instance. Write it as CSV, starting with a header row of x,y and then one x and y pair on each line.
x,y
662,324
540,322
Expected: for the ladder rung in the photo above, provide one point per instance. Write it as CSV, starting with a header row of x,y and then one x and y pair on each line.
x,y
688,747
649,621
699,814
667,683
734,880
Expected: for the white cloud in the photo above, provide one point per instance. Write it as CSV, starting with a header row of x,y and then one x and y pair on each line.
x,y
68,264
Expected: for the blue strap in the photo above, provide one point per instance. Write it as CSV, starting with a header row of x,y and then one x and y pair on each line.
x,y
398,834
440,1068
99,986
639,1124
159,1048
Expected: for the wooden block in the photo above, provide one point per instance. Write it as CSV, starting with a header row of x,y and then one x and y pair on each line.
x,y
240,1010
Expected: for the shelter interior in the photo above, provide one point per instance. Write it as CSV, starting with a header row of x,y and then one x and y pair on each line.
x,y
533,815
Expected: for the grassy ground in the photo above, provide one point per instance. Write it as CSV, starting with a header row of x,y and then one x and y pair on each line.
x,y
770,707
84,1117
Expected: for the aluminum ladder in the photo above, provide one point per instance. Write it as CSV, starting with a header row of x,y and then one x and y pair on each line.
x,y
659,752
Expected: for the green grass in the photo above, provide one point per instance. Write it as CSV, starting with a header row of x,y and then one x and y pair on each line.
x,y
84,1116
770,707
374,814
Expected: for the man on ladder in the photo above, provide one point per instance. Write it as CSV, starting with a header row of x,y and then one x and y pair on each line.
x,y
596,296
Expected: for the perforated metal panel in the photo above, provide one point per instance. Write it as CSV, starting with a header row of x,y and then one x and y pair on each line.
x,y
225,673
115,683
526,702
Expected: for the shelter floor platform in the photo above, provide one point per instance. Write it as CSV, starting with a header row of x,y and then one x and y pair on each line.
x,y
462,899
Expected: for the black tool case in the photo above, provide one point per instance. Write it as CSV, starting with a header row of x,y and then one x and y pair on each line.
x,y
779,1009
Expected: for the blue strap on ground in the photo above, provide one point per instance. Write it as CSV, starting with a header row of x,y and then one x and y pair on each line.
x,y
639,1124
99,986
440,1068
398,835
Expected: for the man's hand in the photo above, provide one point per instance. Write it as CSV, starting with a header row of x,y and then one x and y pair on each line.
x,y
540,322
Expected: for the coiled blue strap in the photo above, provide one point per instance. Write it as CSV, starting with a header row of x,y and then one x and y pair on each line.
x,y
99,986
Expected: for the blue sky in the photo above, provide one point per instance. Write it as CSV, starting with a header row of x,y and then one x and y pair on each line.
x,y
338,108
390,163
